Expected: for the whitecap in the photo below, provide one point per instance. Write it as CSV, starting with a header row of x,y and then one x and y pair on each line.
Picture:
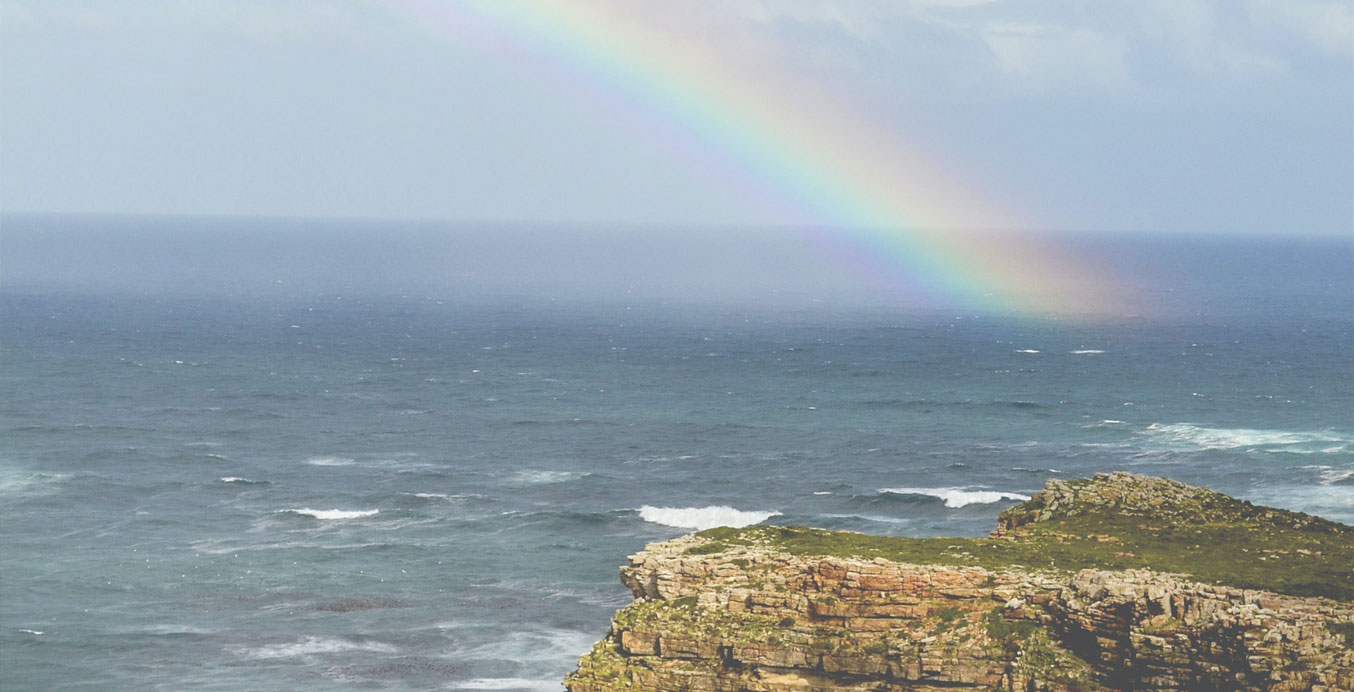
x,y
507,684
36,633
243,481
17,482
701,518
531,645
445,496
1087,352
332,514
1334,501
329,461
1198,437
878,519
958,497
1106,423
1026,350
530,477
222,547
1334,477
654,458
171,629
311,646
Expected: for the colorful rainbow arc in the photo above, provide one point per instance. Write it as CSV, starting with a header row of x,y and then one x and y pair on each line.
x,y
787,146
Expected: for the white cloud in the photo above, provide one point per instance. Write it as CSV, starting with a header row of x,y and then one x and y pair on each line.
x,y
1327,26
968,47
272,23
860,19
16,18
20,17
1200,36
951,4
248,20
1048,57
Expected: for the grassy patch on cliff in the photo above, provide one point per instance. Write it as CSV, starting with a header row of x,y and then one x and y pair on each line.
x,y
686,616
1115,522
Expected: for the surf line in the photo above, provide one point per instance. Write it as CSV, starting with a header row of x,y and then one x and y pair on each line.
x,y
898,216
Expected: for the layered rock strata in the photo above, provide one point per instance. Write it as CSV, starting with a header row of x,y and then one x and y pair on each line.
x,y
777,609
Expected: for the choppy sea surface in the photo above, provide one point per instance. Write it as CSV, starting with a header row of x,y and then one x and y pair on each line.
x,y
432,489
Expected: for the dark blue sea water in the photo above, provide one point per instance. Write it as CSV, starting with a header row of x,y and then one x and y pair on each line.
x,y
277,458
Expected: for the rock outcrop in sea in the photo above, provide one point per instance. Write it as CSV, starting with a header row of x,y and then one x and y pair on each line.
x,y
1116,582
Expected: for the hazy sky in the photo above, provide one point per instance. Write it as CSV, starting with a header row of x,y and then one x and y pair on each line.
x,y
1227,116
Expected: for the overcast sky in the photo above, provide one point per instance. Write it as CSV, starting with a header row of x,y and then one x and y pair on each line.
x,y
1228,116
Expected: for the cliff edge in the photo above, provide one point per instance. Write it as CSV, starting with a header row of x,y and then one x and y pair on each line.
x,y
1116,582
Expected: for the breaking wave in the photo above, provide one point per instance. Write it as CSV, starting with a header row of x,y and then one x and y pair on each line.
x,y
958,497
312,646
1201,438
508,684
332,514
330,461
243,481
1337,477
532,477
701,518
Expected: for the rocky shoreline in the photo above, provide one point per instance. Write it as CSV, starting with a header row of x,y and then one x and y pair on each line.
x,y
1090,585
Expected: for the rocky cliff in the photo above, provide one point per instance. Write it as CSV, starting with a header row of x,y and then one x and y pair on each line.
x,y
1117,582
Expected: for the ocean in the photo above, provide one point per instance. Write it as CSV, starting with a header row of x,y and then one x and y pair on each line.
x,y
284,455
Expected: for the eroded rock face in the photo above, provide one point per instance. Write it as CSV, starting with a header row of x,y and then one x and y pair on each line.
x,y
757,617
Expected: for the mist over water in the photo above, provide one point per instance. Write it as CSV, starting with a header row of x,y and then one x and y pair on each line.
x,y
273,454
286,259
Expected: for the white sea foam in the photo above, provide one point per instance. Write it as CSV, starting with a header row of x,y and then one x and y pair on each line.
x,y
877,518
311,646
1026,350
170,629
1334,502
1199,437
329,461
16,482
237,479
36,633
219,547
507,684
1334,476
702,518
1108,422
332,514
530,477
1087,352
526,646
655,458
959,497
445,496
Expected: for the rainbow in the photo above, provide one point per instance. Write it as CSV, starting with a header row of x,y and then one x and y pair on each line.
x,y
799,152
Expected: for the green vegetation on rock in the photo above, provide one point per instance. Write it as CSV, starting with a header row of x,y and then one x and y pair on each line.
x,y
684,615
1113,522
789,609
